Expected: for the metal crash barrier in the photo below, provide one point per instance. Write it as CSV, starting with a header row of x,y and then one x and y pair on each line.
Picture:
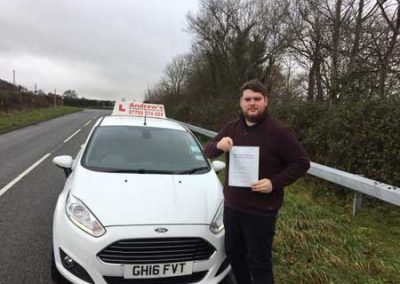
x,y
358,183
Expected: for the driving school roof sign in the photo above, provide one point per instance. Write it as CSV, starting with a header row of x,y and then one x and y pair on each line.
x,y
139,109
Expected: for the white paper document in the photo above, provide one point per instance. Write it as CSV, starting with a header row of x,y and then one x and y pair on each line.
x,y
243,165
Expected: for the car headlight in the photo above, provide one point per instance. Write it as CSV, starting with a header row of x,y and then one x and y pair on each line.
x,y
217,224
81,216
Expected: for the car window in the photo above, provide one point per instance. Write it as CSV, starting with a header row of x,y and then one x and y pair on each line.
x,y
144,150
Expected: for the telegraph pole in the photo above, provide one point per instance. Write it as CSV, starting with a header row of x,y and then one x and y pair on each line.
x,y
14,87
55,97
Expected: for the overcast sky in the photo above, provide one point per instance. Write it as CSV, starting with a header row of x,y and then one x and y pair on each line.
x,y
104,49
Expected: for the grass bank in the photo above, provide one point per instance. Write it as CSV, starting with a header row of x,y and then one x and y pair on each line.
x,y
318,240
14,120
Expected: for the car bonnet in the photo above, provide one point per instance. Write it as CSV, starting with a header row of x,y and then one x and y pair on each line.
x,y
144,199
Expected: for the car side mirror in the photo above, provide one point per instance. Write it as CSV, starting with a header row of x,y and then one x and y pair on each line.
x,y
64,162
218,166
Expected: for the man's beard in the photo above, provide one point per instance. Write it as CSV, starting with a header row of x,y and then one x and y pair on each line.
x,y
253,118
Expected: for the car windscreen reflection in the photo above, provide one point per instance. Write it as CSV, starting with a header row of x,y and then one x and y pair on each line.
x,y
147,150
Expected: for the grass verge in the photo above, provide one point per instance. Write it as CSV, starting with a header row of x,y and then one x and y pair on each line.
x,y
14,120
319,241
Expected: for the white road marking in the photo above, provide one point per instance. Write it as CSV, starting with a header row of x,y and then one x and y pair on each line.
x,y
72,135
28,170
24,173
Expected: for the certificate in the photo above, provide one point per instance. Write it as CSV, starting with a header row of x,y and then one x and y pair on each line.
x,y
243,165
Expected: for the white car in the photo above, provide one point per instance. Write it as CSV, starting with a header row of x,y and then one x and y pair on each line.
x,y
141,204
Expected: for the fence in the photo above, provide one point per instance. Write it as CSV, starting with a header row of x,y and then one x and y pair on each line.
x,y
358,183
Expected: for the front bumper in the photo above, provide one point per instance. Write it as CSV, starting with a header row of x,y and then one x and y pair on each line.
x,y
83,248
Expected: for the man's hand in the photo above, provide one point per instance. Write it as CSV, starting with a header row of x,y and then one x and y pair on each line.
x,y
225,144
262,185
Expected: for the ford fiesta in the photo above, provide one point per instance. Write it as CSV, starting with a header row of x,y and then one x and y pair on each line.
x,y
141,204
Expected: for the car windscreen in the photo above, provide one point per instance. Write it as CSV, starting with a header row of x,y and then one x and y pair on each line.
x,y
141,149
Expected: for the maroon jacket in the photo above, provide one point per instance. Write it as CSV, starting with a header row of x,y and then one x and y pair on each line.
x,y
282,160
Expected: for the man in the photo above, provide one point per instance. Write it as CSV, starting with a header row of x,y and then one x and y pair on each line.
x,y
250,212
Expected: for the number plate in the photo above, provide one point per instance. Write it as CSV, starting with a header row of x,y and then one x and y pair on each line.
x,y
158,270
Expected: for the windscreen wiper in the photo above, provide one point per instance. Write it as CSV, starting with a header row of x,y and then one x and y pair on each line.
x,y
191,171
139,171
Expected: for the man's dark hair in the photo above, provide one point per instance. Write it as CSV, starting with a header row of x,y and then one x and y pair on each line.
x,y
255,85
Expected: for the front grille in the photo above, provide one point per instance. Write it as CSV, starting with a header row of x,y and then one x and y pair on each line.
x,y
157,250
186,279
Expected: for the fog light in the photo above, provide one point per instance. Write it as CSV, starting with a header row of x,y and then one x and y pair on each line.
x,y
68,262
74,267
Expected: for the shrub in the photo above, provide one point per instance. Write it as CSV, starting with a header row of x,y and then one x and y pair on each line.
x,y
360,137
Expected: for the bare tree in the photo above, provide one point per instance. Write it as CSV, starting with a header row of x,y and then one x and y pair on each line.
x,y
174,75
348,49
393,24
307,47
